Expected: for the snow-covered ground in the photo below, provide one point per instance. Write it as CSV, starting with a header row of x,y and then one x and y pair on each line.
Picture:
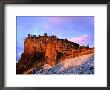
x,y
79,65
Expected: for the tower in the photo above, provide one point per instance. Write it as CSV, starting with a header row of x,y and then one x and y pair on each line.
x,y
45,34
28,35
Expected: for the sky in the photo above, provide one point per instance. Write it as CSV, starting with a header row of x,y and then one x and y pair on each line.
x,y
78,29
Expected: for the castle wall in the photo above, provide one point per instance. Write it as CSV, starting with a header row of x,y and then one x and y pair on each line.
x,y
28,46
50,46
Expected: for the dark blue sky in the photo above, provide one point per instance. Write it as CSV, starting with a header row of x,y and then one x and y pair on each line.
x,y
79,29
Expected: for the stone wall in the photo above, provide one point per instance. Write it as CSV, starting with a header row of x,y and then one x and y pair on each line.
x,y
51,45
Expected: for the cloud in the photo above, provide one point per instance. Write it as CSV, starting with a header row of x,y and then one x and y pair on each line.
x,y
82,40
56,20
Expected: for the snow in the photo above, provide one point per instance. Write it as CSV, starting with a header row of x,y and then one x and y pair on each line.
x,y
80,65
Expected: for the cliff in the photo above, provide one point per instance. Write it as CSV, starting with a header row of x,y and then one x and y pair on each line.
x,y
39,50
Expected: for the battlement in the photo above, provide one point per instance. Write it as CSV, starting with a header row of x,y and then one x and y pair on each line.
x,y
39,36
43,41
46,37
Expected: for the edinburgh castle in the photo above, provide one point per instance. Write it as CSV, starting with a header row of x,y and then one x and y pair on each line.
x,y
40,50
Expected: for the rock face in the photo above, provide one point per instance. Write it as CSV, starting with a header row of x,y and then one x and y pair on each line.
x,y
50,45
39,50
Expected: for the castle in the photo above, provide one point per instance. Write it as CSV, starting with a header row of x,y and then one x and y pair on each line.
x,y
50,49
51,46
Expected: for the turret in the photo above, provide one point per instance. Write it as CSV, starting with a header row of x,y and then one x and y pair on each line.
x,y
34,36
45,34
28,35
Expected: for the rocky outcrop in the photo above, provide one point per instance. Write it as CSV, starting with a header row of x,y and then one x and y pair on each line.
x,y
39,50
